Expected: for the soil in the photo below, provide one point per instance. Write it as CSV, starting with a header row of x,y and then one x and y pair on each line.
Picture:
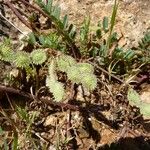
x,y
103,123
132,19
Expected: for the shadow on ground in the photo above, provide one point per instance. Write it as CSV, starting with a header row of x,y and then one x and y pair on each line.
x,y
138,143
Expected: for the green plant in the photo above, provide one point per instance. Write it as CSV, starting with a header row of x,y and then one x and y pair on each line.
x,y
22,59
38,56
112,23
54,86
79,73
63,37
145,42
61,26
60,59
28,117
144,47
134,100
3,143
6,53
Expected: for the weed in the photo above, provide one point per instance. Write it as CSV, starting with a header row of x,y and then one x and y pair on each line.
x,y
61,51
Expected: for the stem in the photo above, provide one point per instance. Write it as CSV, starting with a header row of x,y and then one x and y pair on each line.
x,y
58,25
113,19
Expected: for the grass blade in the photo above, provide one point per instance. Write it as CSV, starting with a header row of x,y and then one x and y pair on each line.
x,y
15,141
112,22
105,24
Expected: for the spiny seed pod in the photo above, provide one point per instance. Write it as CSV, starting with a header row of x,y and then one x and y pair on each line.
x,y
22,59
6,53
56,88
74,74
38,56
89,81
64,62
85,67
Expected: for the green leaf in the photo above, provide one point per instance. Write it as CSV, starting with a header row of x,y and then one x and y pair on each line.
x,y
98,31
85,29
6,147
114,13
102,50
145,42
133,97
23,114
83,73
105,24
129,55
49,5
15,141
54,16
134,100
72,32
1,130
41,4
65,21
51,40
112,23
42,40
145,109
56,12
114,37
32,38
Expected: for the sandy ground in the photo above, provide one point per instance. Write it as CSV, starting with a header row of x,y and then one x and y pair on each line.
x,y
133,18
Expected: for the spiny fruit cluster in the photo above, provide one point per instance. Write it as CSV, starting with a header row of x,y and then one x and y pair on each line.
x,y
21,59
79,73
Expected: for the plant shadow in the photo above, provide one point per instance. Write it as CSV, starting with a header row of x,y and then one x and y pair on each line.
x,y
128,143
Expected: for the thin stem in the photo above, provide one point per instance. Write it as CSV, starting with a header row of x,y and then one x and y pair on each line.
x,y
18,14
32,97
12,24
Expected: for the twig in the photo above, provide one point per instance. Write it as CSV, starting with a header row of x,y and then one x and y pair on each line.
x,y
32,97
64,105
18,14
35,8
14,125
103,70
12,24
14,91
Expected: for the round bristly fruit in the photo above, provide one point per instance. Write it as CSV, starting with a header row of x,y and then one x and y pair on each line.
x,y
22,59
38,56
6,53
85,67
89,81
56,88
64,62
